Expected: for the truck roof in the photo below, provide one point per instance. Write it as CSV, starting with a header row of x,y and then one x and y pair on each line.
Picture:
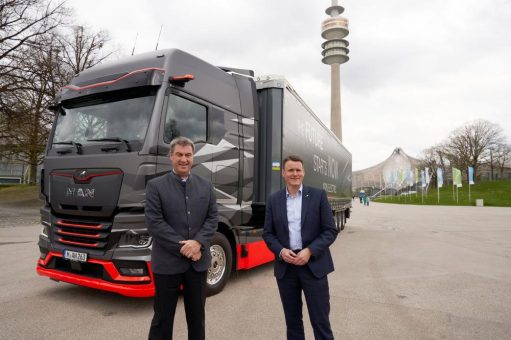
x,y
220,86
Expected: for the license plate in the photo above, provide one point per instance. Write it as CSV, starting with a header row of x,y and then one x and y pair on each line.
x,y
75,256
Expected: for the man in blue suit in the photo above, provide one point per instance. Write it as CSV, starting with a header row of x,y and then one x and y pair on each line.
x,y
299,227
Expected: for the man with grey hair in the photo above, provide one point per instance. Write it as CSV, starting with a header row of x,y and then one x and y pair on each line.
x,y
182,217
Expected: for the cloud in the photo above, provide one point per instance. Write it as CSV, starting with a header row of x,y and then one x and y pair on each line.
x,y
417,69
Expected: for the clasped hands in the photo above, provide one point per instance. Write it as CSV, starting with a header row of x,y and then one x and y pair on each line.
x,y
299,259
191,249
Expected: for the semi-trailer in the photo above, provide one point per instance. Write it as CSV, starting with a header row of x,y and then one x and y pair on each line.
x,y
113,126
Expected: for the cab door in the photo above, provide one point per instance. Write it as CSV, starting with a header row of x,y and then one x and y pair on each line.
x,y
224,147
186,116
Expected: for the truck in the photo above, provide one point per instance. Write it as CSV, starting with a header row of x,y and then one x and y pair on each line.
x,y
111,135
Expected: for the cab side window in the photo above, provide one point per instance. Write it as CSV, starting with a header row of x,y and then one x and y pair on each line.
x,y
216,125
185,118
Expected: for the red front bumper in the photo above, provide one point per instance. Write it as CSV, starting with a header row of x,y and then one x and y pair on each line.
x,y
142,285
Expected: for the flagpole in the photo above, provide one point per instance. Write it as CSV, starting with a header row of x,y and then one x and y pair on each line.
x,y
380,183
410,182
468,181
416,181
453,184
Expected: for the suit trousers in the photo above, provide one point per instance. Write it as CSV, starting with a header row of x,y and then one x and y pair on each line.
x,y
317,297
167,288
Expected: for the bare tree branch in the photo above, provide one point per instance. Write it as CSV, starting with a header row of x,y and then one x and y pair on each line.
x,y
470,144
22,21
34,82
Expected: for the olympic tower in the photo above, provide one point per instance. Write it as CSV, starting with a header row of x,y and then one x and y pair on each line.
x,y
335,52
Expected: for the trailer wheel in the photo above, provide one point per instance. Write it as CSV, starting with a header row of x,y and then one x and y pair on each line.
x,y
341,221
338,221
221,264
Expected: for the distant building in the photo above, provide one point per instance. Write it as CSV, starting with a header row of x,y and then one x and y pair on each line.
x,y
486,173
396,172
12,169
11,172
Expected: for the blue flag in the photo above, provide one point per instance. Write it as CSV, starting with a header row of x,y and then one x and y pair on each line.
x,y
471,175
439,177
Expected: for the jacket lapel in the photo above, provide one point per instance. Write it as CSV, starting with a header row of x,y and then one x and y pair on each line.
x,y
283,208
305,203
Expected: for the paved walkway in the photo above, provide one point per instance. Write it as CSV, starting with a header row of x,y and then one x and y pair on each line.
x,y
424,272
402,272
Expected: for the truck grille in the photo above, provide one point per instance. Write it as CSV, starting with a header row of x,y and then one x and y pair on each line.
x,y
80,234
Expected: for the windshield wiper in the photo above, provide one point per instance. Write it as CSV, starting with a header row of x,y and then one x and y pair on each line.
x,y
78,147
113,139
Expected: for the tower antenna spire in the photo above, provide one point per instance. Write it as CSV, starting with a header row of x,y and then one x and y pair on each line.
x,y
134,44
159,35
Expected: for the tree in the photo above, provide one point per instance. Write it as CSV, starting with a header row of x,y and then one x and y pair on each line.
x,y
470,144
83,48
23,22
434,158
501,155
54,59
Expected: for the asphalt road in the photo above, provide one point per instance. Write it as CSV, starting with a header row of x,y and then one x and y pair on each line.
x,y
402,272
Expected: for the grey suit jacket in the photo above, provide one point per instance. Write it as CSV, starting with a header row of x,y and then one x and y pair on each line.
x,y
176,212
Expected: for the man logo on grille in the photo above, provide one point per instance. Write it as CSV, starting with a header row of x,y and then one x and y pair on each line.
x,y
80,192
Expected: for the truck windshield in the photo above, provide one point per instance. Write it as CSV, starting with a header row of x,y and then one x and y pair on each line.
x,y
124,115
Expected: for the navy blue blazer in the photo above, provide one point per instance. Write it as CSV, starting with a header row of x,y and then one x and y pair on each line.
x,y
318,230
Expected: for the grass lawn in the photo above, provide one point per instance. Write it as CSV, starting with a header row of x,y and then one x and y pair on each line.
x,y
494,194
16,194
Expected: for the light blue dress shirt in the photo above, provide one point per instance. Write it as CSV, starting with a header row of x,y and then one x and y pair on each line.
x,y
294,219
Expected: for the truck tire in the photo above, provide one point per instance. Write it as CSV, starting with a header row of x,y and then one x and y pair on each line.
x,y
341,221
221,264
338,221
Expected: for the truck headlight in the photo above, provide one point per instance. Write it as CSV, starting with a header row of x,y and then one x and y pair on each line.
x,y
44,229
135,239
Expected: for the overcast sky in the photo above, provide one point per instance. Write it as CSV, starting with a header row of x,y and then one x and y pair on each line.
x,y
417,69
